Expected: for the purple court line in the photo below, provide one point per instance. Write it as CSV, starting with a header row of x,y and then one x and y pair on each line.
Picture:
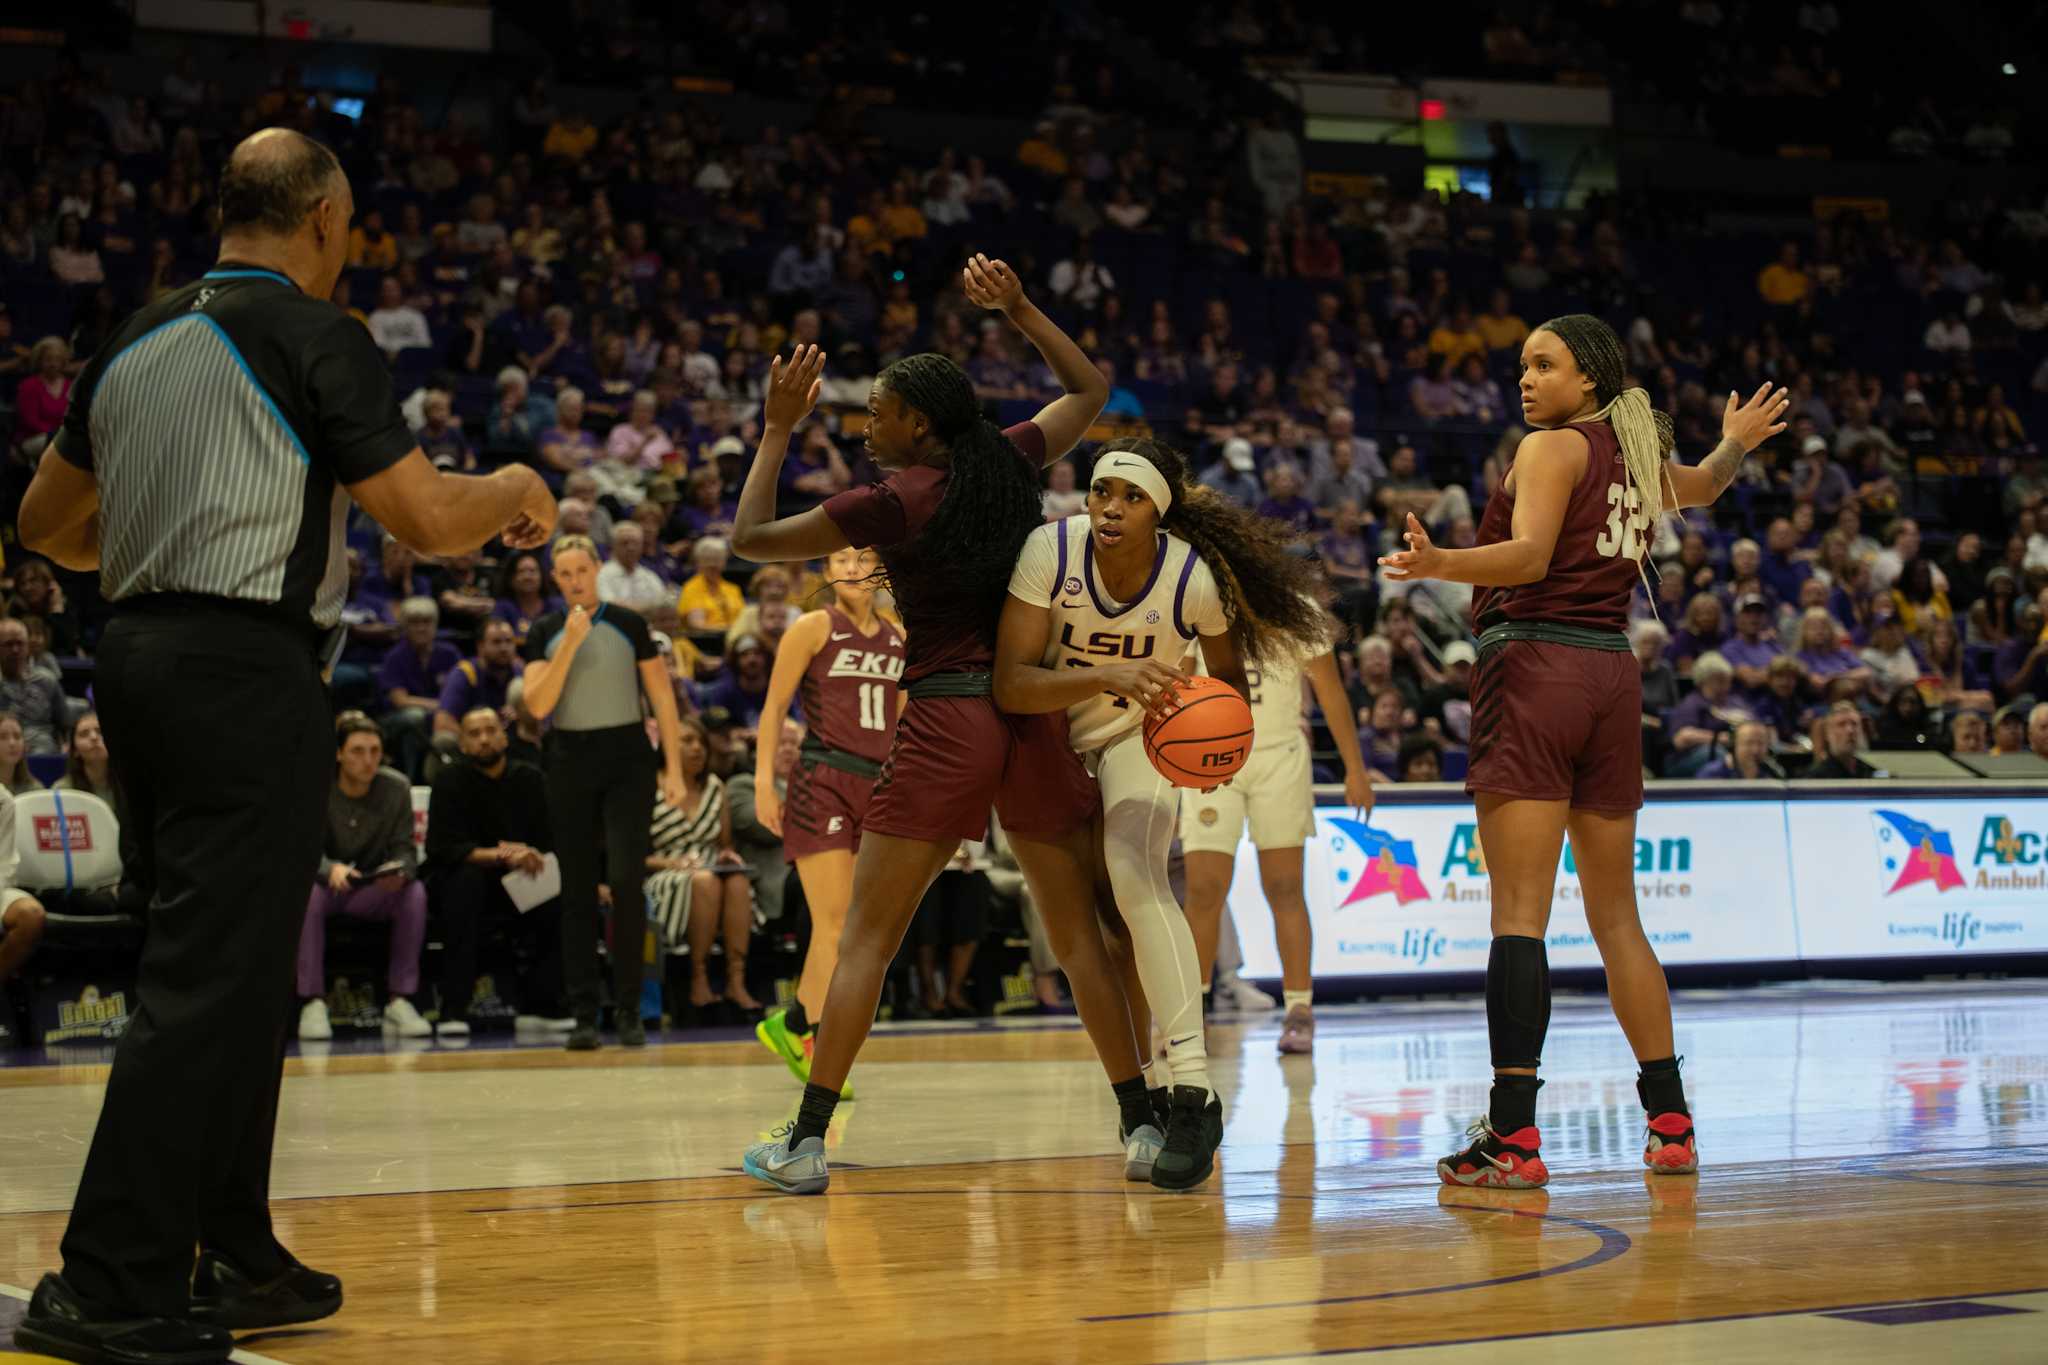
x,y
1871,1165
1613,1243
1817,1310
1131,1190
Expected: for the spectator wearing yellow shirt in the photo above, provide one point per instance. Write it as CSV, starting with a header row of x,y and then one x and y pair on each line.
x,y
708,601
370,247
868,230
1041,153
1500,326
902,220
1782,283
569,138
1457,338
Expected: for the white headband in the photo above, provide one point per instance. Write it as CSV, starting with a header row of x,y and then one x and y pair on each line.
x,y
1122,464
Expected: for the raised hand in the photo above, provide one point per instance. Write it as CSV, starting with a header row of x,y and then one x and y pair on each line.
x,y
992,284
793,387
1756,421
1420,560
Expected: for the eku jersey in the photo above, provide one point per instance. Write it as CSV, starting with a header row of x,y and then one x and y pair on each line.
x,y
1178,603
849,689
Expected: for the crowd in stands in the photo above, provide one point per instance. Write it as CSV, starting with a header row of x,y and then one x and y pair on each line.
x,y
601,299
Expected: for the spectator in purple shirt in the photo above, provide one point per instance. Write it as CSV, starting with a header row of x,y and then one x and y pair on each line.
x,y
1347,555
742,688
522,595
440,436
1753,647
481,681
1284,502
1781,705
1781,569
1695,725
1704,629
1851,599
1833,670
707,511
2020,668
566,447
1748,758
410,679
396,577
812,473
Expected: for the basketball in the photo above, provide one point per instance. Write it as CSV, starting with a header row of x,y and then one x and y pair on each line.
x,y
1204,736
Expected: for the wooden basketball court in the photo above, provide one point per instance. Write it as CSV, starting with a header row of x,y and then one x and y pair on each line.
x,y
1875,1188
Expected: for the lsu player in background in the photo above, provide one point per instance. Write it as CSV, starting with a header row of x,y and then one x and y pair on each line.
x,y
1273,792
1106,611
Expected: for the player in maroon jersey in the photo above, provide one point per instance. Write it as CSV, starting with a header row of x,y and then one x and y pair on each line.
x,y
1556,714
846,663
960,497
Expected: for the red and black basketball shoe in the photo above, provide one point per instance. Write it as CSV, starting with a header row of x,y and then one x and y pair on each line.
x,y
1670,1149
1495,1162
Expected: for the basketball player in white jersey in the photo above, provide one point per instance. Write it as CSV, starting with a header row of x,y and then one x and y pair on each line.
x,y
1105,611
1273,791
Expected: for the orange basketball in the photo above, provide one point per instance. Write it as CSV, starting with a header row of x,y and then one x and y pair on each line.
x,y
1204,735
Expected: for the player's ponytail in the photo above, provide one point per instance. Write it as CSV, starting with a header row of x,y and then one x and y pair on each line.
x,y
1643,433
1270,594
956,573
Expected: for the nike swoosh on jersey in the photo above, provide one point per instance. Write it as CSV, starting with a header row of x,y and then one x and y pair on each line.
x,y
843,635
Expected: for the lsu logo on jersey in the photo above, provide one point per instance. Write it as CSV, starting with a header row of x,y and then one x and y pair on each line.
x,y
865,663
1104,645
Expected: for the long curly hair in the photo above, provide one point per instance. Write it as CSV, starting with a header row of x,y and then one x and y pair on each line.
x,y
956,572
1271,596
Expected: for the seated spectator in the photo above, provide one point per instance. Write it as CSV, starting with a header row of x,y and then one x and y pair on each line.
x,y
14,773
1783,569
1753,646
1235,475
1343,464
953,916
1969,732
394,324
813,472
523,595
1406,492
742,686
706,511
2018,669
581,486
639,444
370,247
1782,704
1903,723
482,681
1420,760
38,597
1838,736
2037,730
1833,670
410,679
32,697
1917,601
489,818
1945,664
466,601
1431,395
1783,283
74,260
708,601
21,915
1061,498
1904,548
1818,481
697,882
1694,725
1347,556
368,870
565,447
521,418
1703,631
1283,501
1382,727
652,517
1648,639
42,396
624,579
1748,758
441,438
1499,327
85,767
1893,661
1479,396
2009,729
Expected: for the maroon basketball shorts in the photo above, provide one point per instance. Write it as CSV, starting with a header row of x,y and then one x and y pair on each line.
x,y
824,811
1555,722
956,757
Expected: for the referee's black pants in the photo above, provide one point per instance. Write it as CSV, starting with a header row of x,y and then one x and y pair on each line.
x,y
222,743
601,799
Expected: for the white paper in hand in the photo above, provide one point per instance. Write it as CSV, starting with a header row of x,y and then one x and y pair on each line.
x,y
538,889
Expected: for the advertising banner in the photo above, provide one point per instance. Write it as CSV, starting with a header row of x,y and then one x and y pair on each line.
x,y
1920,878
1407,891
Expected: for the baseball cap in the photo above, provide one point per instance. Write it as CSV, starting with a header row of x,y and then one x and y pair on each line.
x,y
1237,453
1912,396
1749,600
745,643
2012,711
727,445
716,718
1460,652
1813,445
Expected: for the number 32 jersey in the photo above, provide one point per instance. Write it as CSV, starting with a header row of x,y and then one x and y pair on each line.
x,y
1599,551
1178,603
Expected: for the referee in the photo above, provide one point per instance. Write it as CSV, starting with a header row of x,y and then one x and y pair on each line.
x,y
205,468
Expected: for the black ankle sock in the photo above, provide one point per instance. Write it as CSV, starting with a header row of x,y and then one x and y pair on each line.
x,y
814,1116
1513,1105
794,1019
1660,1087
1133,1104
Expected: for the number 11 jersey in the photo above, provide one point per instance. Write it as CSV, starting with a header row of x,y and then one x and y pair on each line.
x,y
1600,546
849,690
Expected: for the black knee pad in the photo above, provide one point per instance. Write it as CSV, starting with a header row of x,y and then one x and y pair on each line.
x,y
1517,1000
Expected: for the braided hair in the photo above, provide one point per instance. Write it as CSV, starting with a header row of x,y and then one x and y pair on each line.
x,y
1270,594
1643,433
956,571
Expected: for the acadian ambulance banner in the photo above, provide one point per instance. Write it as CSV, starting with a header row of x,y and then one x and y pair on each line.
x,y
1408,891
1920,878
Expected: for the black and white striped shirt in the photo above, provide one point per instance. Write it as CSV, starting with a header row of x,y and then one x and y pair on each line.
x,y
221,423
675,832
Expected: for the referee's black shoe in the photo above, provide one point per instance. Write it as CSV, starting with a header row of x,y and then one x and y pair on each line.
x,y
224,1295
61,1324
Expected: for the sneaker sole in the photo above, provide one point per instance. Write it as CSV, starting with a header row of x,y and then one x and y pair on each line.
x,y
809,1185
255,1321
1137,1170
1489,1179
1291,1048
1208,1168
63,1348
1681,1165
